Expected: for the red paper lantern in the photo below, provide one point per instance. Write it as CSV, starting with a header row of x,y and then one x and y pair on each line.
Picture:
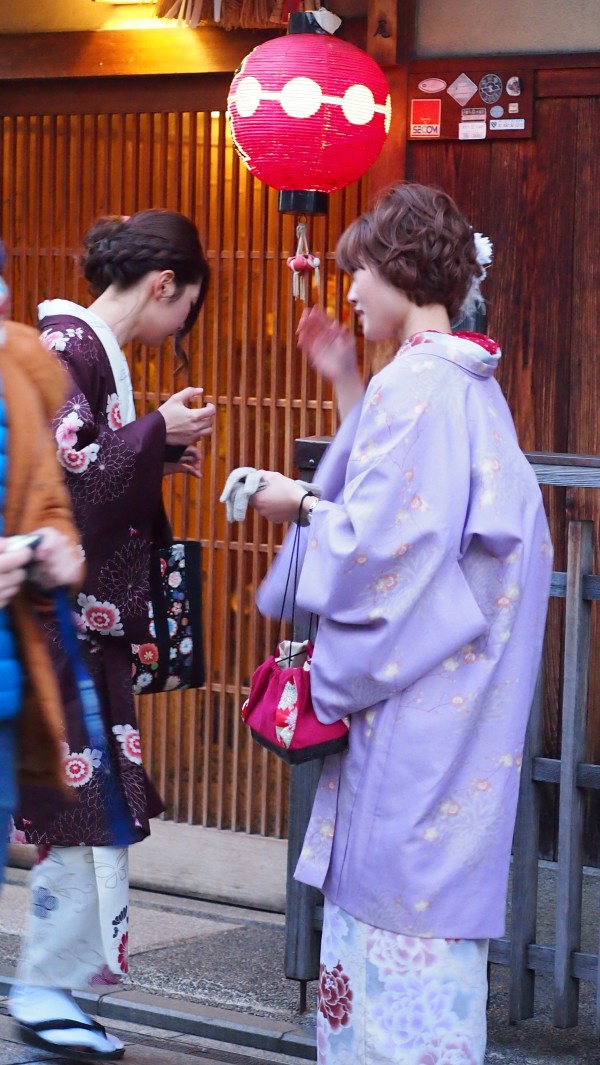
x,y
308,114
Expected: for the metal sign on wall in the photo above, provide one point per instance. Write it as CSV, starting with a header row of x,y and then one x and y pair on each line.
x,y
471,105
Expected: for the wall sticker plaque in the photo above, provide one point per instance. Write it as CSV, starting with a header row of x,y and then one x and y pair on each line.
x,y
474,104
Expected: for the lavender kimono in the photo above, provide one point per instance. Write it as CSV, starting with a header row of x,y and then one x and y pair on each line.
x,y
113,468
430,571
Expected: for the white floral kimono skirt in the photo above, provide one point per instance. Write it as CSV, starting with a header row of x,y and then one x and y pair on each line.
x,y
389,999
76,935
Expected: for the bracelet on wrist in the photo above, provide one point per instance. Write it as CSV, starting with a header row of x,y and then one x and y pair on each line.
x,y
305,514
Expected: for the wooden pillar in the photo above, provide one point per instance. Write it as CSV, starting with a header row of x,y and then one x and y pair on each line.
x,y
302,939
391,42
570,822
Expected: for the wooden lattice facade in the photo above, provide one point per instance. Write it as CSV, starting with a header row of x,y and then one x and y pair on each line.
x,y
58,172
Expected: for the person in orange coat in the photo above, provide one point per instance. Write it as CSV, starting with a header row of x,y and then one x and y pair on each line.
x,y
32,498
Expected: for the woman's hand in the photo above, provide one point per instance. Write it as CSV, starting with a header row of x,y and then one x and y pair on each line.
x,y
56,560
190,463
280,500
12,571
331,350
187,424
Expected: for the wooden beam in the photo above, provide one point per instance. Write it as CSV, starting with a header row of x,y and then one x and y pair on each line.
x,y
113,53
584,81
529,61
382,32
117,96
391,27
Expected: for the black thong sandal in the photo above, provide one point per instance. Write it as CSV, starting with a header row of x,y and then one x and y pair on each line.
x,y
31,1034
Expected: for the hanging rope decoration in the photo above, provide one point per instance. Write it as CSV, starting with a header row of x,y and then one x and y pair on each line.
x,y
303,264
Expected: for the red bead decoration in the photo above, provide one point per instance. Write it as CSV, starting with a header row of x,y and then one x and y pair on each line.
x,y
309,112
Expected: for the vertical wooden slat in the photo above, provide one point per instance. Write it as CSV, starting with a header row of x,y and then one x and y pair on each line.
x,y
570,827
194,526
523,921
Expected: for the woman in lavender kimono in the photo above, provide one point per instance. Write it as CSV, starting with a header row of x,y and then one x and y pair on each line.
x,y
428,561
149,275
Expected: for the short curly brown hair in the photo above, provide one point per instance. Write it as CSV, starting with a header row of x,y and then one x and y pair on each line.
x,y
418,240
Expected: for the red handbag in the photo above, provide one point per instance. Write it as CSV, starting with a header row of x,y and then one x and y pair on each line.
x,y
279,709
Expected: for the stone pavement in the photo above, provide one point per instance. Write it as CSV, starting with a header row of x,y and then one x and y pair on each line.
x,y
207,983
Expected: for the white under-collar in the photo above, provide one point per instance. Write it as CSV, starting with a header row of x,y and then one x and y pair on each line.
x,y
115,355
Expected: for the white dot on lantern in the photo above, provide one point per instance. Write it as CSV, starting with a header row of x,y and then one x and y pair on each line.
x,y
358,105
301,97
247,96
387,121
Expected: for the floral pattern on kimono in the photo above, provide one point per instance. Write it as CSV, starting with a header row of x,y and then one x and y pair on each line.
x,y
87,887
114,474
428,562
385,997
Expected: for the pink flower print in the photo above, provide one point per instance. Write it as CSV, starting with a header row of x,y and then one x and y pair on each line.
x,y
386,584
502,602
286,714
448,1050
104,978
148,653
123,953
113,412
104,618
129,738
396,954
450,808
458,701
482,785
53,340
15,835
66,433
77,461
335,996
78,769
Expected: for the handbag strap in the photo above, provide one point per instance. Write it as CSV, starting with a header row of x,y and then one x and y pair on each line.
x,y
118,816
295,567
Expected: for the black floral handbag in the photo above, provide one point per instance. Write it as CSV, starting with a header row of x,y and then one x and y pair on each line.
x,y
173,655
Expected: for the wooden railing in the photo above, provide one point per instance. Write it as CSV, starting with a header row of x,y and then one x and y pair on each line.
x,y
520,951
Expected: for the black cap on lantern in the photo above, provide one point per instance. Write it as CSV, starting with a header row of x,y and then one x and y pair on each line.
x,y
304,22
303,201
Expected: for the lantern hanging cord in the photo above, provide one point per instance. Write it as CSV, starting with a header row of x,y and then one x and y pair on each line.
x,y
302,264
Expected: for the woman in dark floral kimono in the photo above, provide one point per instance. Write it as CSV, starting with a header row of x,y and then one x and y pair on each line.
x,y
149,275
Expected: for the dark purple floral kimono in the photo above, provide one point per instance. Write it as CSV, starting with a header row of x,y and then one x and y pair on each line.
x,y
113,468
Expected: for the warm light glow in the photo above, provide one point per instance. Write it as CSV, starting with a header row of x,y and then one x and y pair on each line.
x,y
130,3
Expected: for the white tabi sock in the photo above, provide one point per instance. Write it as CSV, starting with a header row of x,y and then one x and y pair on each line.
x,y
31,1004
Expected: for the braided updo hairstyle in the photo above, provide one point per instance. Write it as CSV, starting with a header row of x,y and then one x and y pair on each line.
x,y
121,251
417,240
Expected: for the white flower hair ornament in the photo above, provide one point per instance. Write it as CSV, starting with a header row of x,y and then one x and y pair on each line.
x,y
484,253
